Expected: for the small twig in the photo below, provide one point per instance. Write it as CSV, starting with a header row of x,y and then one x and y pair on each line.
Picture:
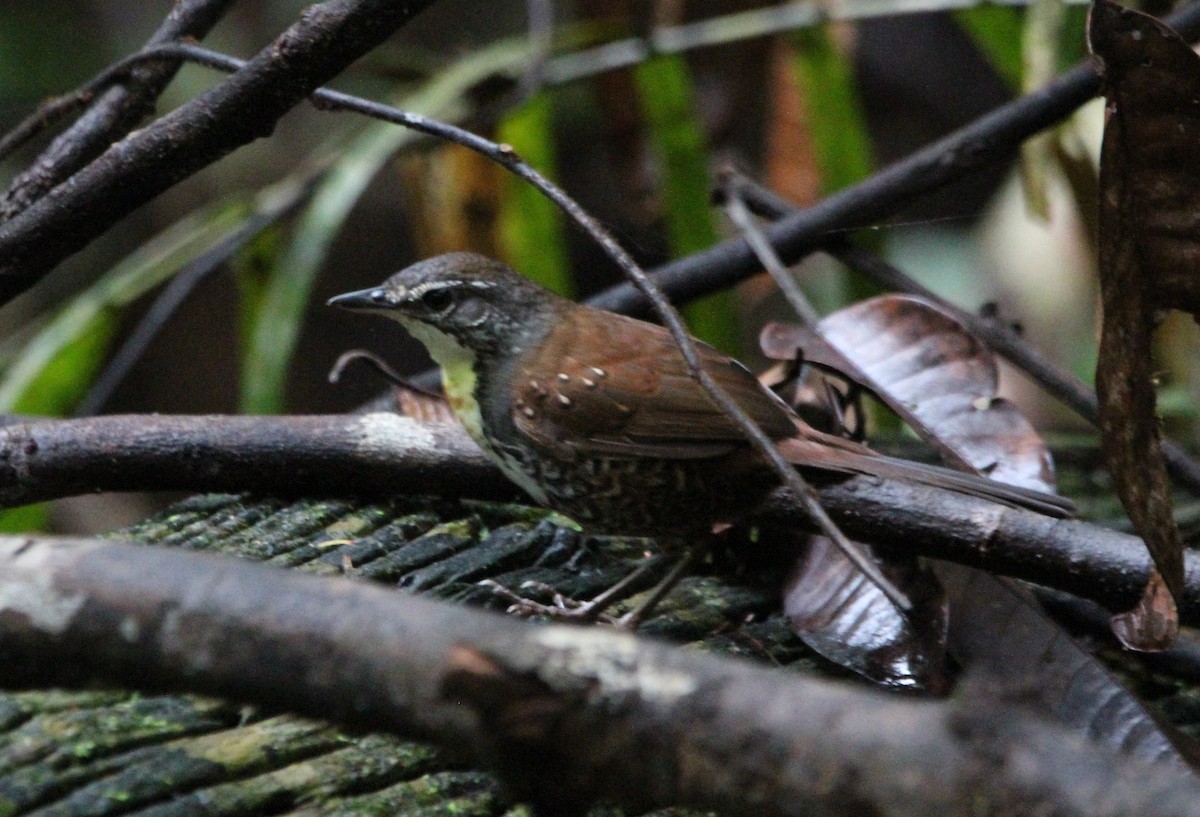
x,y
319,45
541,38
381,367
736,27
989,138
740,215
47,113
115,112
54,109
1057,381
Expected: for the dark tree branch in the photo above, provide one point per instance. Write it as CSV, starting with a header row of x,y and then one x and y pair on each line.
x,y
383,454
568,716
1057,381
1082,559
989,139
327,38
373,454
115,113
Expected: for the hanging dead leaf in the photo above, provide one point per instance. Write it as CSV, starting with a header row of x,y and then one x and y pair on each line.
x,y
1148,252
1150,161
934,373
938,377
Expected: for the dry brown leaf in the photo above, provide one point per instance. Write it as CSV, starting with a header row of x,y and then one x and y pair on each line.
x,y
925,365
1149,206
929,369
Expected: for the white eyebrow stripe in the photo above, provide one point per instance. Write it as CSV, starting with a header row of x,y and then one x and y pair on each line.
x,y
430,286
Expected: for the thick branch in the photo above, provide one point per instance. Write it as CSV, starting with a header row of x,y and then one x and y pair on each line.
x,y
372,454
1085,560
115,113
567,715
327,38
382,454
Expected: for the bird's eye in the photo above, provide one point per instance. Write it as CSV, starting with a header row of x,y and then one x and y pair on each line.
x,y
437,300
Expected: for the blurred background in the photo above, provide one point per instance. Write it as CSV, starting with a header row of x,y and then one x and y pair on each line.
x,y
333,202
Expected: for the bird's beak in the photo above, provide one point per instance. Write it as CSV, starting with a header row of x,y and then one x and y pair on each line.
x,y
372,299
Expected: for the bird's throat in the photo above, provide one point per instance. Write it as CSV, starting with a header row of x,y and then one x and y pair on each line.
x,y
459,381
457,363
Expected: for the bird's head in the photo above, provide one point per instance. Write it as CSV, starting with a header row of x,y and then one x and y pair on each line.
x,y
456,303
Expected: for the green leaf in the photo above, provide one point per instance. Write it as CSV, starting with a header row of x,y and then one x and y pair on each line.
x,y
251,271
530,225
276,326
998,32
836,123
26,519
57,387
52,371
667,103
1039,50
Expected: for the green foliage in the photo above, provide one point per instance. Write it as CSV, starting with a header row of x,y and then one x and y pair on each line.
x,y
531,226
277,315
836,123
667,103
53,369
55,388
998,32
841,143
26,519
251,272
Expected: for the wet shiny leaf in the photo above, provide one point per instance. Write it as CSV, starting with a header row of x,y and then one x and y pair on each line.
x,y
925,365
839,613
999,629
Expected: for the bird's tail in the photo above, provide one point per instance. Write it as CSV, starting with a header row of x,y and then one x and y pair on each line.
x,y
825,452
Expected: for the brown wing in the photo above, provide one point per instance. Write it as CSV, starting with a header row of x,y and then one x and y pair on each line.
x,y
629,393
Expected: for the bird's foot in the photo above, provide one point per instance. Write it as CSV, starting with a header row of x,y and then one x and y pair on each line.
x,y
564,608
560,608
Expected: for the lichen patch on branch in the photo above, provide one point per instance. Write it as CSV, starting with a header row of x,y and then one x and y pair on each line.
x,y
615,661
45,606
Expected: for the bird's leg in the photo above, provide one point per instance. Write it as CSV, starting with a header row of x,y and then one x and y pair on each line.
x,y
567,609
633,619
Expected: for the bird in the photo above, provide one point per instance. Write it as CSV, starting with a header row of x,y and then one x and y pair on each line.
x,y
596,415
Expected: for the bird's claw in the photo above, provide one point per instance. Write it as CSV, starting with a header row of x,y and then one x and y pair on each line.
x,y
560,608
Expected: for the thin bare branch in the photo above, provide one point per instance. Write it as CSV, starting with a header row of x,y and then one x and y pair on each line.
x,y
116,110
327,38
990,138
